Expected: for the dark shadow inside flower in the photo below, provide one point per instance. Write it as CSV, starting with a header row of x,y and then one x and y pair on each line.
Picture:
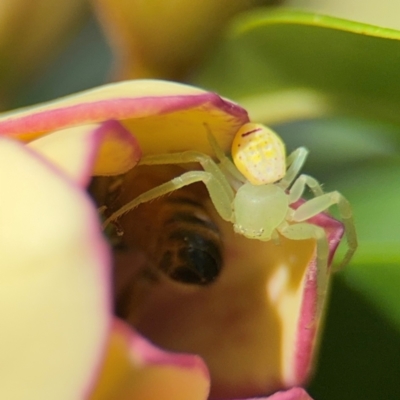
x,y
358,349
247,307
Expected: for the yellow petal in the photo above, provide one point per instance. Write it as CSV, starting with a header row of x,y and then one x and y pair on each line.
x,y
119,150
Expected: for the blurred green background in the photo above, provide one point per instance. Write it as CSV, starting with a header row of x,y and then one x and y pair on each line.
x,y
350,85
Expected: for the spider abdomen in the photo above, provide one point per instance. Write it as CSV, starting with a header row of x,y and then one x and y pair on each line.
x,y
259,154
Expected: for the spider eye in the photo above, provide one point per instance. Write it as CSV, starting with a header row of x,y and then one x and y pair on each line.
x,y
259,154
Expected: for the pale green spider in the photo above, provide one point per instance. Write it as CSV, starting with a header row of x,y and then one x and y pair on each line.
x,y
257,199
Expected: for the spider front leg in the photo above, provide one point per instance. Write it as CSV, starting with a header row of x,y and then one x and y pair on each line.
x,y
300,184
322,203
294,162
218,187
224,161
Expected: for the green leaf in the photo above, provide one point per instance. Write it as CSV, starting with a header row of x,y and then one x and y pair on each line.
x,y
286,65
338,143
374,192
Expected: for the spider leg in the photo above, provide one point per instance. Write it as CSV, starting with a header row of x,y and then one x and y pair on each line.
x,y
224,162
218,187
294,162
322,203
303,231
300,184
204,160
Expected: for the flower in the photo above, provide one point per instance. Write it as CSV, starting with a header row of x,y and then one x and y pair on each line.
x,y
255,328
164,39
29,34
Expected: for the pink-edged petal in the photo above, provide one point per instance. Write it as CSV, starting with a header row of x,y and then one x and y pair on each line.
x,y
135,369
86,150
255,326
54,268
295,393
73,150
315,291
119,150
164,116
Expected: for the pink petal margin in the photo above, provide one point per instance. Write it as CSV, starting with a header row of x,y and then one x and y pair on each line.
x,y
118,150
308,325
95,149
117,108
295,393
134,368
148,354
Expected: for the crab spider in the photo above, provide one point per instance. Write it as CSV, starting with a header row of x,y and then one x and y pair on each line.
x,y
255,191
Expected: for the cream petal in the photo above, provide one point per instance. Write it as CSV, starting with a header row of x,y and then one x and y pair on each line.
x,y
54,294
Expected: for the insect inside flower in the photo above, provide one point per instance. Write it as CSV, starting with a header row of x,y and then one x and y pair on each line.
x,y
257,190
